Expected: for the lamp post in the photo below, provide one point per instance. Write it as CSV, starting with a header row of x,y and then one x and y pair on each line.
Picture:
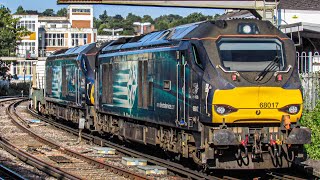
x,y
113,31
141,25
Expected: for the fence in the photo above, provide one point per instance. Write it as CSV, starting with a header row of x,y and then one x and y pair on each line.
x,y
308,62
309,69
310,88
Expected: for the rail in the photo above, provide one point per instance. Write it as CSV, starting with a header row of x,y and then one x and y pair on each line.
x,y
59,172
10,173
171,166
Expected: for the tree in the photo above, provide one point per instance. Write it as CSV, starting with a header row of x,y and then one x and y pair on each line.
x,y
101,27
133,18
216,16
147,18
10,35
162,25
104,17
62,12
196,17
20,10
96,23
4,68
118,17
48,12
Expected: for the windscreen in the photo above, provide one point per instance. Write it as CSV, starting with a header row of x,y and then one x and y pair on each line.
x,y
251,54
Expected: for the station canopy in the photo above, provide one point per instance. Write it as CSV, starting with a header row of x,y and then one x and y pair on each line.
x,y
222,4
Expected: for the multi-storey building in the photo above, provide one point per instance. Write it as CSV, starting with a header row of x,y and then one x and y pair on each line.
x,y
50,33
29,43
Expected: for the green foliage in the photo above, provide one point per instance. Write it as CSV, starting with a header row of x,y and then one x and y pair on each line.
x,y
104,17
10,34
48,12
147,18
15,89
4,69
62,12
160,23
311,119
20,10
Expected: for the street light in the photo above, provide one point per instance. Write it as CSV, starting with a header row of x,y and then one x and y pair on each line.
x,y
113,30
141,25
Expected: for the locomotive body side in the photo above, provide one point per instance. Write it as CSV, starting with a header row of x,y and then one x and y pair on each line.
x,y
144,86
69,82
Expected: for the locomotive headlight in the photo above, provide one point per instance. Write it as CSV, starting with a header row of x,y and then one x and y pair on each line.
x,y
291,109
246,29
224,109
220,110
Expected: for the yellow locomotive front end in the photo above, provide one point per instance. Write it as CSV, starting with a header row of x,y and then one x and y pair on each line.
x,y
257,105
255,97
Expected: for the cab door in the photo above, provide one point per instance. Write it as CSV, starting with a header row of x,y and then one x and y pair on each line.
x,y
182,90
78,87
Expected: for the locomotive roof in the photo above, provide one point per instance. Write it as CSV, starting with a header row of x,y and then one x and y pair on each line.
x,y
154,38
189,31
73,51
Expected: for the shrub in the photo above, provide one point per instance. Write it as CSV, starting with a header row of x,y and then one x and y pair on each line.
x,y
15,89
311,119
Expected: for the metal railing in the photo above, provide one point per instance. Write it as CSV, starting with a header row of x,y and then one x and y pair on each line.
x,y
310,89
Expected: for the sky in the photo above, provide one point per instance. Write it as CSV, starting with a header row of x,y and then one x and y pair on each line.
x,y
41,5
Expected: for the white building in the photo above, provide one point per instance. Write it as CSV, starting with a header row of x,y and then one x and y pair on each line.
x,y
29,44
300,20
50,33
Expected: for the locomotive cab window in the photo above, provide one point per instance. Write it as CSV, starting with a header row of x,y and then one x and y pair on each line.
x,y
251,54
196,57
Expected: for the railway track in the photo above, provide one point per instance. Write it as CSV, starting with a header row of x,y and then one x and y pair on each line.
x,y
7,173
282,176
174,168
54,159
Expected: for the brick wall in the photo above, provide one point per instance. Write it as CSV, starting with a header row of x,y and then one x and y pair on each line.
x,y
89,38
54,48
80,24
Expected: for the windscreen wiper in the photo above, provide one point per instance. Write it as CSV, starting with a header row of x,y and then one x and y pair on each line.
x,y
269,68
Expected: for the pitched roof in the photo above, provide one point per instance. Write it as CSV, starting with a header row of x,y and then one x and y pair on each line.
x,y
236,14
300,4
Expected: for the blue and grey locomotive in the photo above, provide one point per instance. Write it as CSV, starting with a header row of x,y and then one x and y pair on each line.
x,y
69,83
223,93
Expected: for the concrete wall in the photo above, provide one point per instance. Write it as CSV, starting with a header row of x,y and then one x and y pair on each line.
x,y
295,16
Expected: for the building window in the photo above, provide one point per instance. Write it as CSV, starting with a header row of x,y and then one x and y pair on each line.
x,y
26,47
80,10
55,39
79,39
30,25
